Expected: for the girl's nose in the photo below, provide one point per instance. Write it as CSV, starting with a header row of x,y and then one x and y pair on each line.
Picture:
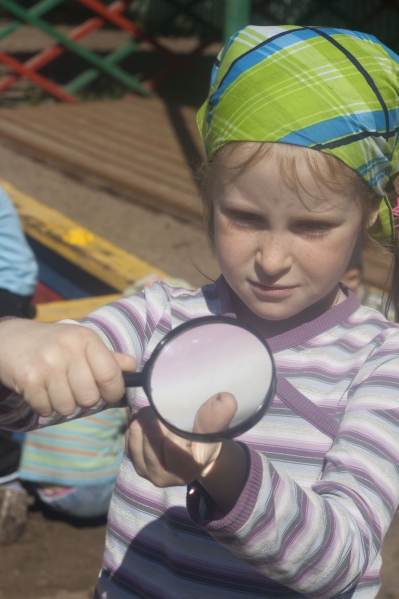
x,y
274,255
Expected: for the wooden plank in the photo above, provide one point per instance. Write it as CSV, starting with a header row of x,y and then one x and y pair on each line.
x,y
90,252
74,309
162,193
150,166
154,116
145,147
136,133
161,138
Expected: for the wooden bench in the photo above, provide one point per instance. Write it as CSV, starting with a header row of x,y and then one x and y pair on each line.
x,y
98,257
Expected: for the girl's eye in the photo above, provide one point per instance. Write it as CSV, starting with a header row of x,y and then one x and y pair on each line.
x,y
315,227
244,218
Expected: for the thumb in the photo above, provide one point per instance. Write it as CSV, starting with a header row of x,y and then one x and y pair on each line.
x,y
125,362
213,416
216,413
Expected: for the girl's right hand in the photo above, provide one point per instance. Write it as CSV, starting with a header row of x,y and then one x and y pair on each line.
x,y
57,367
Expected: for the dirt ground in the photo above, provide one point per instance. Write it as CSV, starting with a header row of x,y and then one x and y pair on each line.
x,y
56,559
52,560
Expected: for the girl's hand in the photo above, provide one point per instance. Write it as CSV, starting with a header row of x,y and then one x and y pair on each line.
x,y
57,367
168,460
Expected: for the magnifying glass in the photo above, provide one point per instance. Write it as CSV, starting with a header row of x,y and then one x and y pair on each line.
x,y
210,379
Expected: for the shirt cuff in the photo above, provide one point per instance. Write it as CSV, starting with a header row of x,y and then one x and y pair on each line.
x,y
3,318
204,512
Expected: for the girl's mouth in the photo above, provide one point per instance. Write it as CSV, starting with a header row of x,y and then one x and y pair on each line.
x,y
277,291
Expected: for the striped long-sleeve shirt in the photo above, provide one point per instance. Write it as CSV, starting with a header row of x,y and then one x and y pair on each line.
x,y
83,453
314,511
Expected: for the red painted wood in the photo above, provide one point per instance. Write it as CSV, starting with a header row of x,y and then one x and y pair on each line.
x,y
107,13
46,84
46,56
44,294
123,23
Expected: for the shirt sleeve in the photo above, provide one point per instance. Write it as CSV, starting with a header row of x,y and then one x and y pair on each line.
x,y
124,326
18,266
322,541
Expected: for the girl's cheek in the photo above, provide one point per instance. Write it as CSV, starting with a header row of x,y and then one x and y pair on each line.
x,y
232,246
327,259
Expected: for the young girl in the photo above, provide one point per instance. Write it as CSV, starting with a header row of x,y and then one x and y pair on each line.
x,y
301,503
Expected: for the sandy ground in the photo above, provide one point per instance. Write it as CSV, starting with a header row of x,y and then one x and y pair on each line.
x,y
178,247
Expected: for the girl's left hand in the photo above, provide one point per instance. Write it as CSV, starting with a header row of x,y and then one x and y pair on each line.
x,y
168,460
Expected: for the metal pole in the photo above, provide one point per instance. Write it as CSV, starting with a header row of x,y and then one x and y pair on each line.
x,y
237,15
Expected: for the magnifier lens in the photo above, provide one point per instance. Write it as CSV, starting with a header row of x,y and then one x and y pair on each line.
x,y
211,379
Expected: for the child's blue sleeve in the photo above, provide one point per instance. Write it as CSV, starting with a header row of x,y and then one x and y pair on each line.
x,y
18,266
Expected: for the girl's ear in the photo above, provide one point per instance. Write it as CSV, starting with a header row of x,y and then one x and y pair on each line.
x,y
374,212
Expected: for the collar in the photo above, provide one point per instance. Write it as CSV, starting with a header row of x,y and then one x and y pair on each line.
x,y
303,332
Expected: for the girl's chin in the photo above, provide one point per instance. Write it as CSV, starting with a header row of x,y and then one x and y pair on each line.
x,y
270,308
289,307
274,311
273,316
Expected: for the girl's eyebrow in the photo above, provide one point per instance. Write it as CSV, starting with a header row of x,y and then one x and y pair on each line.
x,y
242,211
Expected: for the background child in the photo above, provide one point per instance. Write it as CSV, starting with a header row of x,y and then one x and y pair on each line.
x,y
300,504
368,296
73,467
18,279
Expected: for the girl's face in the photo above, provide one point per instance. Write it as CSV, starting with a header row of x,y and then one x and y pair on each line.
x,y
281,247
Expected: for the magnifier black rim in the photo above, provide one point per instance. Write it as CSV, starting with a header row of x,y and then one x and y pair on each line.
x,y
230,433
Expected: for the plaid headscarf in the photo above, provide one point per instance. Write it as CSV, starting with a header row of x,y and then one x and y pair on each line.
x,y
328,89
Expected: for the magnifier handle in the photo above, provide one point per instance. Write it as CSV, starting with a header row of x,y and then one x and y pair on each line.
x,y
133,379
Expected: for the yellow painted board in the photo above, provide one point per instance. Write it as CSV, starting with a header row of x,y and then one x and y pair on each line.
x,y
74,309
80,246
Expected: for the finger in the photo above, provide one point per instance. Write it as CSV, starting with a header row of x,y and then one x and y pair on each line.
x,y
153,437
148,436
215,414
32,387
179,459
126,363
38,399
205,453
134,449
83,385
135,440
106,371
60,396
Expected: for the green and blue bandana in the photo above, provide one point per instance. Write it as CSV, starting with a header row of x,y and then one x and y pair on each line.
x,y
331,90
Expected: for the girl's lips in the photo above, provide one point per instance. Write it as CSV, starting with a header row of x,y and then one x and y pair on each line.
x,y
274,290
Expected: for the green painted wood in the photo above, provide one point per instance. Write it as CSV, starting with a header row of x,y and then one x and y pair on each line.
x,y
110,69
91,74
237,15
38,10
